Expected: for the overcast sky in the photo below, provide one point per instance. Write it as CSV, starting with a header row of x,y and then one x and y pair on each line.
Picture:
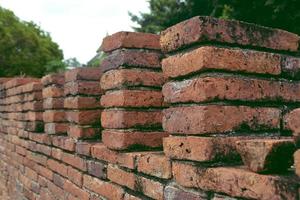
x,y
78,26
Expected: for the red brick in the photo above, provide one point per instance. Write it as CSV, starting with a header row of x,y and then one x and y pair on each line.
x,y
235,181
43,149
33,106
132,58
291,121
120,140
57,167
131,197
211,88
84,117
46,173
38,158
56,153
130,119
84,148
32,175
32,87
267,155
202,149
83,132
97,169
50,116
130,40
56,128
19,81
82,88
53,103
58,180
83,73
81,102
141,184
176,193
52,92
131,77
40,138
155,164
132,98
297,162
105,189
75,161
53,79
56,191
75,176
219,119
208,29
64,142
76,191
205,58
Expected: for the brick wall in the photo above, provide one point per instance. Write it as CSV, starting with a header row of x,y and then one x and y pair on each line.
x,y
210,109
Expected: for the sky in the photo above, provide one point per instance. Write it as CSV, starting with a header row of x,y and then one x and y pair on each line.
x,y
78,26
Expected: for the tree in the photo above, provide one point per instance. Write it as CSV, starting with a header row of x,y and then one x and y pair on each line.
x,y
26,49
284,14
72,62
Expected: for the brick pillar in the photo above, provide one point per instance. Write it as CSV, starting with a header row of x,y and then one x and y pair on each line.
x,y
227,86
133,100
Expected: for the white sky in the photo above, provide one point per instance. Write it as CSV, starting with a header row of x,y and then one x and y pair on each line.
x,y
78,26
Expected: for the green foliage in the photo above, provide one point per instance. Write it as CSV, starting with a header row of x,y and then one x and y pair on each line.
x,y
26,49
284,14
72,62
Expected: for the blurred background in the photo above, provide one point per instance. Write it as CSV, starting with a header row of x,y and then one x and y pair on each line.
x,y
38,37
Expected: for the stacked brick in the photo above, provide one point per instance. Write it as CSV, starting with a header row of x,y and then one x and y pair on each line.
x,y
133,99
82,102
229,85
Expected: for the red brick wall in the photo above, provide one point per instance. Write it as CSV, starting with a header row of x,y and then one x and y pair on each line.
x,y
207,110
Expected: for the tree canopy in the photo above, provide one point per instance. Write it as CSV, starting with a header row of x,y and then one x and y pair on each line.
x,y
284,14
25,49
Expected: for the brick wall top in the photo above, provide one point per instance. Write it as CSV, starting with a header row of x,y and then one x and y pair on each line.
x,y
130,40
207,29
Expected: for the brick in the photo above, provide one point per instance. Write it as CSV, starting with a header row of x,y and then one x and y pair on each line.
x,y
130,119
291,121
130,40
74,161
81,102
267,155
232,88
215,58
208,29
128,160
19,81
121,140
57,167
82,88
83,73
176,193
38,158
56,153
50,116
53,92
131,78
131,197
83,132
297,162
53,79
76,191
84,117
105,189
58,180
203,149
155,164
56,191
97,169
40,138
75,176
141,184
32,87
132,98
64,142
222,197
29,173
219,119
235,181
45,172
56,128
84,148
43,149
132,58
53,103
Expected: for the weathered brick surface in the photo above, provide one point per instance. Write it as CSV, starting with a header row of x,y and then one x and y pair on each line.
x,y
291,122
80,102
130,119
132,98
232,88
208,29
267,155
82,88
131,78
131,58
219,119
297,162
235,181
81,73
130,40
176,193
84,117
120,140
